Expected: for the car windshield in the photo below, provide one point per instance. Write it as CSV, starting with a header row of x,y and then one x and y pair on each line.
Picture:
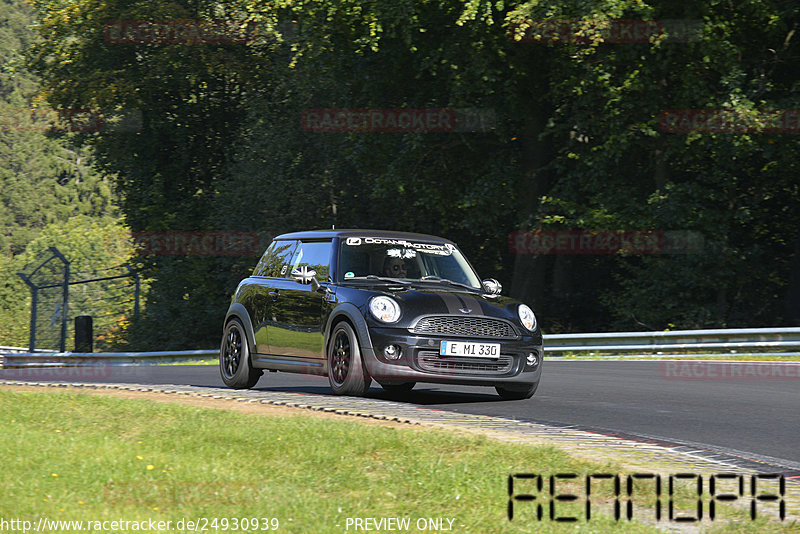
x,y
400,259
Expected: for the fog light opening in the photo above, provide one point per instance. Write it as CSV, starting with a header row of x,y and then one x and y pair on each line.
x,y
392,352
533,359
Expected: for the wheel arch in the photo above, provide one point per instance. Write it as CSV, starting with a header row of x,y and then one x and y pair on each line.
x,y
238,311
350,313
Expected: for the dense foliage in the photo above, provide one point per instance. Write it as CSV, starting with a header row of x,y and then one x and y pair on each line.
x,y
48,186
575,143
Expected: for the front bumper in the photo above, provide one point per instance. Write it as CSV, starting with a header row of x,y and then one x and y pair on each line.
x,y
420,360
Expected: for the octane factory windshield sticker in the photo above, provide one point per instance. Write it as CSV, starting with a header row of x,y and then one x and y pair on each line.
x,y
444,249
349,274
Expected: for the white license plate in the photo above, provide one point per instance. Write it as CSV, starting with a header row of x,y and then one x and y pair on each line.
x,y
472,350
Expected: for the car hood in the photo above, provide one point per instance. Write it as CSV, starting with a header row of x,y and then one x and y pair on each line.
x,y
417,302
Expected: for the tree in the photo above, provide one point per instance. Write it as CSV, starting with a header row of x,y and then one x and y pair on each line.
x,y
45,176
618,169
576,143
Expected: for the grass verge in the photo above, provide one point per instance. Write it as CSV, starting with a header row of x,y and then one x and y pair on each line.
x,y
74,456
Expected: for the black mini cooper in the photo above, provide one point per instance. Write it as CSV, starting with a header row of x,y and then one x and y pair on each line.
x,y
358,305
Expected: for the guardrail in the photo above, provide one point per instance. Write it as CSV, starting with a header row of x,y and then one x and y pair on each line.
x,y
60,359
14,350
715,341
765,341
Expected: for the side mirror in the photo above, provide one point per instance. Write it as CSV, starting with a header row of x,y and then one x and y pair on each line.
x,y
492,286
304,276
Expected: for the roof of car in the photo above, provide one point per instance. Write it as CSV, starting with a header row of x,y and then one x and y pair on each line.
x,y
359,232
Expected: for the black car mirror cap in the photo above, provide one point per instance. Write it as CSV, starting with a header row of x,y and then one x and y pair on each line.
x,y
492,286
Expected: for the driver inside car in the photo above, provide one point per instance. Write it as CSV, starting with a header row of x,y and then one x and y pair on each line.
x,y
394,267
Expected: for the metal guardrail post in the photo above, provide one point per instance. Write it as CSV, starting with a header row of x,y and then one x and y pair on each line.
x,y
34,298
64,297
137,293
84,333
137,289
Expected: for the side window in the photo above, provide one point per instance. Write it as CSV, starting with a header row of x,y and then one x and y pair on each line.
x,y
274,259
316,255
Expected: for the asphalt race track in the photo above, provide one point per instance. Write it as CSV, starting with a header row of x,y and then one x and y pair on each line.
x,y
748,417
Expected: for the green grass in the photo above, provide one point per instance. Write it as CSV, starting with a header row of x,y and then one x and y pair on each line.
x,y
73,456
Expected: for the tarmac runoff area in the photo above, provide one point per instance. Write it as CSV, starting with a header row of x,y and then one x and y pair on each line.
x,y
636,455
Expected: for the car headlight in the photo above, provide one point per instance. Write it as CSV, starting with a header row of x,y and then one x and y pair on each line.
x,y
526,317
384,309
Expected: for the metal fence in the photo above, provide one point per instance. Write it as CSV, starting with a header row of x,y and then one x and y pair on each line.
x,y
763,341
111,297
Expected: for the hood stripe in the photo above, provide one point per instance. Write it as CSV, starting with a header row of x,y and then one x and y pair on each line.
x,y
472,303
453,303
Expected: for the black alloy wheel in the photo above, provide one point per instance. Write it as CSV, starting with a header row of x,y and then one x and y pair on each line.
x,y
234,358
346,372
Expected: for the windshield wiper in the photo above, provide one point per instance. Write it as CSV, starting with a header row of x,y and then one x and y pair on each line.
x,y
374,278
447,281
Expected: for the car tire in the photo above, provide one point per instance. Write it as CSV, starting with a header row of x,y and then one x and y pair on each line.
x,y
517,393
346,371
398,387
234,358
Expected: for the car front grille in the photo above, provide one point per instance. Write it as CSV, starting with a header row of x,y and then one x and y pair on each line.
x,y
480,327
432,362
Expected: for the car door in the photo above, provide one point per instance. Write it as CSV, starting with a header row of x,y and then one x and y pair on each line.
x,y
296,330
262,291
